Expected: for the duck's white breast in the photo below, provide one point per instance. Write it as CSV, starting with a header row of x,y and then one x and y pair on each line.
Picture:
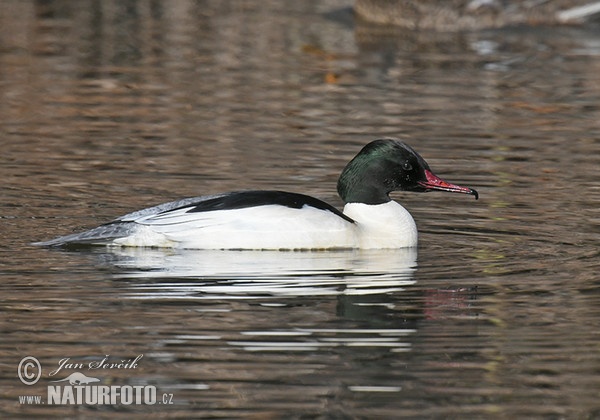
x,y
387,225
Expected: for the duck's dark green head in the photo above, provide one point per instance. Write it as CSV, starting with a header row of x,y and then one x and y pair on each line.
x,y
387,165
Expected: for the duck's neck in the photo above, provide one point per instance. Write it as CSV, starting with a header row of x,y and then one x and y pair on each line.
x,y
387,225
365,180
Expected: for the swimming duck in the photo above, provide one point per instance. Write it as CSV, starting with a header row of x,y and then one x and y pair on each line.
x,y
287,220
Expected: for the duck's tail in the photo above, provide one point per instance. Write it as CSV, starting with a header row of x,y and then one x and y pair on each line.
x,y
102,235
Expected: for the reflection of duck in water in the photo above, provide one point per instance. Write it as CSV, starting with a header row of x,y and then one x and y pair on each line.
x,y
453,15
283,220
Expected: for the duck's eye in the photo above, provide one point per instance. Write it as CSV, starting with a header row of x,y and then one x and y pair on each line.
x,y
407,166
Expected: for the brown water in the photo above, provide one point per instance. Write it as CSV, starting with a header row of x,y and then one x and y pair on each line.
x,y
112,106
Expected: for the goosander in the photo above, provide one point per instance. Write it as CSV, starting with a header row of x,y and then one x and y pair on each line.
x,y
278,220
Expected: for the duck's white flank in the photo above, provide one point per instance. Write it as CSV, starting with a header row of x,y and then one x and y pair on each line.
x,y
262,227
386,225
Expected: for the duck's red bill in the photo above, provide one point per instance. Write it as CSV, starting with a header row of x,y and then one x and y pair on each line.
x,y
434,182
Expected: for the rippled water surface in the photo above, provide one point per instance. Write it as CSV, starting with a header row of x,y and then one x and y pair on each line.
x,y
112,106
